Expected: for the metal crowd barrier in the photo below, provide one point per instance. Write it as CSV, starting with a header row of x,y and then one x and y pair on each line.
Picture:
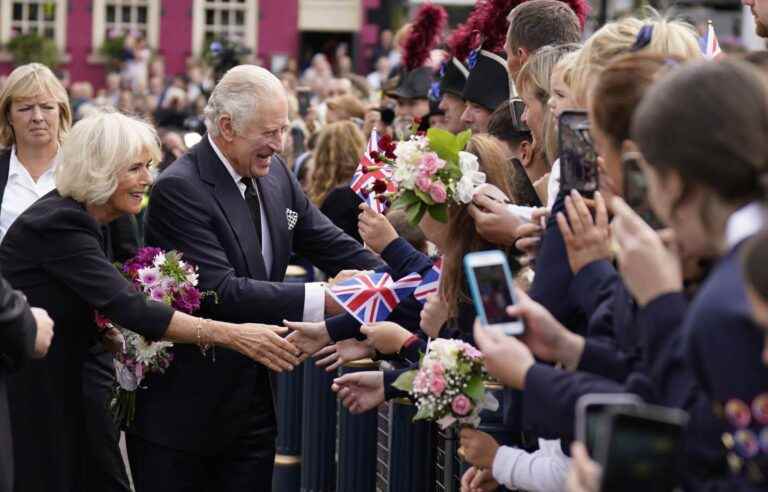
x,y
356,442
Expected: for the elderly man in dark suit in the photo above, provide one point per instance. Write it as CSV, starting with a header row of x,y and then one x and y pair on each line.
x,y
232,208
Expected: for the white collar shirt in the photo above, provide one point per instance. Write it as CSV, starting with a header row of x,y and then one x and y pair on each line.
x,y
21,190
743,223
266,239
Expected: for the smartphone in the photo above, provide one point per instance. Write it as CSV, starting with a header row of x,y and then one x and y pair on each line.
x,y
578,159
490,282
590,408
642,449
635,189
304,96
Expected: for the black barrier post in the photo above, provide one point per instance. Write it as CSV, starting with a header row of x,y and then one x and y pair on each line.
x,y
287,472
286,476
356,442
318,428
411,450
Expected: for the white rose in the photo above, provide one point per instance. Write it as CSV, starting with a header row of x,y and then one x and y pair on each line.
x,y
468,162
405,178
471,177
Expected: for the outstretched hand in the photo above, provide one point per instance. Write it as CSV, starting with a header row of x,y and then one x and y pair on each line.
x,y
264,344
506,358
433,315
334,356
387,337
309,337
360,391
478,480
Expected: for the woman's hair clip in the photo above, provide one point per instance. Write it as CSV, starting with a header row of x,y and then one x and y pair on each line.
x,y
472,60
643,38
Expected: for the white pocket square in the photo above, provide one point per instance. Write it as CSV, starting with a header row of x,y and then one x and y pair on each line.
x,y
292,218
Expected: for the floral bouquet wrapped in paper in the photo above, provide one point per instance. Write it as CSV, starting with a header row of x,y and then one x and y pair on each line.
x,y
433,170
162,277
449,385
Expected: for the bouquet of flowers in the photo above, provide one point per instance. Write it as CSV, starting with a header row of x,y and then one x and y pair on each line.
x,y
433,170
449,385
163,277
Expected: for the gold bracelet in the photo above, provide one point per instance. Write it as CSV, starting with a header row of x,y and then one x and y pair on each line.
x,y
199,331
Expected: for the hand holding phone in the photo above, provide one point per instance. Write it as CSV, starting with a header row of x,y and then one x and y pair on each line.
x,y
490,282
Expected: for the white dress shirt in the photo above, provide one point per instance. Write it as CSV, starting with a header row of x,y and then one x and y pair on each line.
x,y
544,470
21,191
746,221
314,292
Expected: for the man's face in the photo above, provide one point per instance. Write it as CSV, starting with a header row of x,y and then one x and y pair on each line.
x,y
250,151
516,57
453,106
476,118
410,109
760,12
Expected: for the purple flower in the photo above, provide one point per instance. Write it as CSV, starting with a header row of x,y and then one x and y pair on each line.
x,y
157,294
145,256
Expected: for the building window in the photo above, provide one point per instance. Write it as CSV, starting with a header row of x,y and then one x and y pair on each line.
x,y
123,16
231,19
44,17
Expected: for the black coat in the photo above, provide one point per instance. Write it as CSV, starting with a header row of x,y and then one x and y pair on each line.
x,y
54,253
341,205
196,208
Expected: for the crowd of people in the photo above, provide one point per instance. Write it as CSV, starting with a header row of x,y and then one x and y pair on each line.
x,y
663,296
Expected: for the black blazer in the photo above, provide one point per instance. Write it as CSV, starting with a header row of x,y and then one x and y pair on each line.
x,y
17,343
55,254
196,208
5,168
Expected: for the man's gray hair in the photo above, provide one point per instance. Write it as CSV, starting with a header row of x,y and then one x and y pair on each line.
x,y
239,94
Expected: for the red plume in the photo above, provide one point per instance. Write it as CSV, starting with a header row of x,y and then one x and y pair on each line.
x,y
462,41
489,18
426,29
581,8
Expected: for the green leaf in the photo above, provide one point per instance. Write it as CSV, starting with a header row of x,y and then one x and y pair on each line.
x,y
415,212
462,139
404,382
439,212
423,413
408,198
424,197
476,388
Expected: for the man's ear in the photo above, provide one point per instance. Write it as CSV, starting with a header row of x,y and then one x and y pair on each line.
x,y
226,128
526,153
523,55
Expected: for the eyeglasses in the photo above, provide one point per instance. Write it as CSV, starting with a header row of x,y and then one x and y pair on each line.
x,y
517,108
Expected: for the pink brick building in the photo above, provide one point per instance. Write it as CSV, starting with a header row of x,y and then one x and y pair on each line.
x,y
178,30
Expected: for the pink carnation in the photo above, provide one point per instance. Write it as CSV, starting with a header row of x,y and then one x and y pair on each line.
x,y
437,385
461,405
431,163
420,382
472,352
438,193
424,183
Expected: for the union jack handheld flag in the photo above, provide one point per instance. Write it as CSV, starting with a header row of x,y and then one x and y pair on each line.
x,y
371,179
371,297
430,282
710,44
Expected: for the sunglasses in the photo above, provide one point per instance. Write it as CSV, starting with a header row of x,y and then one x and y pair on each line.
x,y
517,108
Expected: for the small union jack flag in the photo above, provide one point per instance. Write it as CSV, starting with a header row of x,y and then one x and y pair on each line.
x,y
371,297
372,180
710,45
430,282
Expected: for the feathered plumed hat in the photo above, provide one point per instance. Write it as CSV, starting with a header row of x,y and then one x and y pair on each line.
x,y
425,34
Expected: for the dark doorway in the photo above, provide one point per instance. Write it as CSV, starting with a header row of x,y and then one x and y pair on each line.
x,y
328,43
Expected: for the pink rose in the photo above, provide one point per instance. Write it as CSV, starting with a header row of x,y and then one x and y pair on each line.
x,y
461,405
437,385
431,163
438,193
424,183
438,369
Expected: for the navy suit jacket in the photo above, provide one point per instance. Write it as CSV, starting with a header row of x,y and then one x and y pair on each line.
x,y
195,207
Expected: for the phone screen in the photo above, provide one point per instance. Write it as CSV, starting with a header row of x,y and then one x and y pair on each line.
x,y
642,454
494,293
578,159
304,97
594,429
636,191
